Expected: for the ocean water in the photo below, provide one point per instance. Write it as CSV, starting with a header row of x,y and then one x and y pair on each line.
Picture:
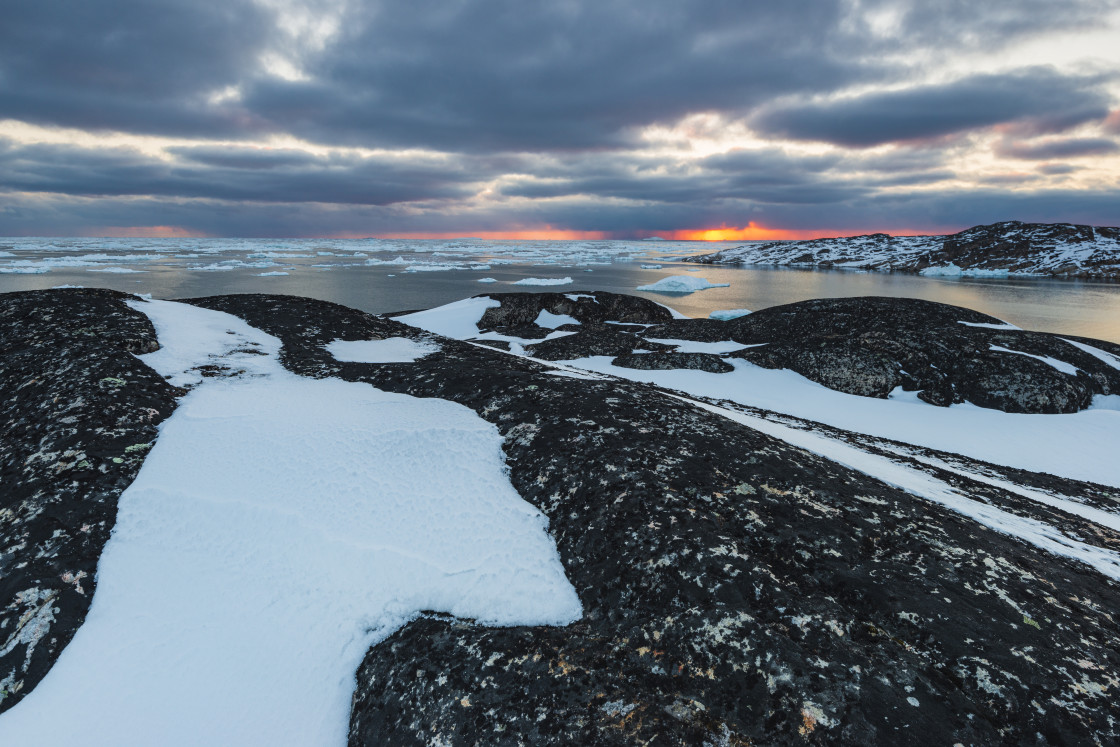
x,y
395,275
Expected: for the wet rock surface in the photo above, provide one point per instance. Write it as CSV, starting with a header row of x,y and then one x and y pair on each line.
x,y
736,589
78,413
1011,247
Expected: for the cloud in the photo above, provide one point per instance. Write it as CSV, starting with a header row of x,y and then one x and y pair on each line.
x,y
234,173
489,114
488,75
129,65
1066,148
1030,101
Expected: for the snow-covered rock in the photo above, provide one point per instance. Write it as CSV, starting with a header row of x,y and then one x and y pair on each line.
x,y
996,250
746,573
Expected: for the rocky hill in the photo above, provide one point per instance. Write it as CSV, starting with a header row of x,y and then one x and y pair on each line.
x,y
740,583
1000,249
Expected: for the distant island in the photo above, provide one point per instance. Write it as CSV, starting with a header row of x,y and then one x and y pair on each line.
x,y
1060,250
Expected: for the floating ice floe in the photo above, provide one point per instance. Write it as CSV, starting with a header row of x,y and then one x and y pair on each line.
x,y
681,284
728,314
275,273
487,280
544,281
116,270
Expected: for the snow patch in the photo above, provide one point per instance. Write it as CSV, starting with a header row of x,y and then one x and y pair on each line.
x,y
692,346
235,602
1101,355
988,325
389,350
1062,366
548,320
458,320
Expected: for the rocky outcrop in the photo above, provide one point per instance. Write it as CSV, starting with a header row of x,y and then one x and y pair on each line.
x,y
736,589
948,355
667,361
519,310
866,346
1007,248
78,413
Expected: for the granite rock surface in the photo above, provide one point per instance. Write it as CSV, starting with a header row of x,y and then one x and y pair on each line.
x,y
736,589
78,413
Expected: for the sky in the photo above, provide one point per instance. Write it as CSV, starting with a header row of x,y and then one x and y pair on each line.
x,y
717,119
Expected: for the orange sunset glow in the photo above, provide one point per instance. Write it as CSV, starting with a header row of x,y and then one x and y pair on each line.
x,y
751,232
545,234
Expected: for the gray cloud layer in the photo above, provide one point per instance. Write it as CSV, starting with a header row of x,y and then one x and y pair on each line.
x,y
544,99
1033,101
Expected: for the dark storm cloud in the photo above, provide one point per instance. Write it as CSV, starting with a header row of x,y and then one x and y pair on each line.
x,y
130,65
1068,148
544,99
481,75
510,75
1032,101
760,176
237,174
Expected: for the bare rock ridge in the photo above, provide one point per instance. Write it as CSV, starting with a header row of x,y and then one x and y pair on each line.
x,y
1008,248
867,346
737,590
78,413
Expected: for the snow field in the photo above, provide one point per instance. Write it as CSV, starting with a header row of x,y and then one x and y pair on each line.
x,y
277,529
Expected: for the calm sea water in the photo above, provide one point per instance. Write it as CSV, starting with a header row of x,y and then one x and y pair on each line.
x,y
383,276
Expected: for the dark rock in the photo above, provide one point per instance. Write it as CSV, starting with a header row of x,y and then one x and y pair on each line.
x,y
869,346
736,590
520,310
78,413
589,341
663,361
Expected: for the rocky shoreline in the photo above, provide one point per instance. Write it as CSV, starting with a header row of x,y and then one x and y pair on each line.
x,y
737,588
1010,248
